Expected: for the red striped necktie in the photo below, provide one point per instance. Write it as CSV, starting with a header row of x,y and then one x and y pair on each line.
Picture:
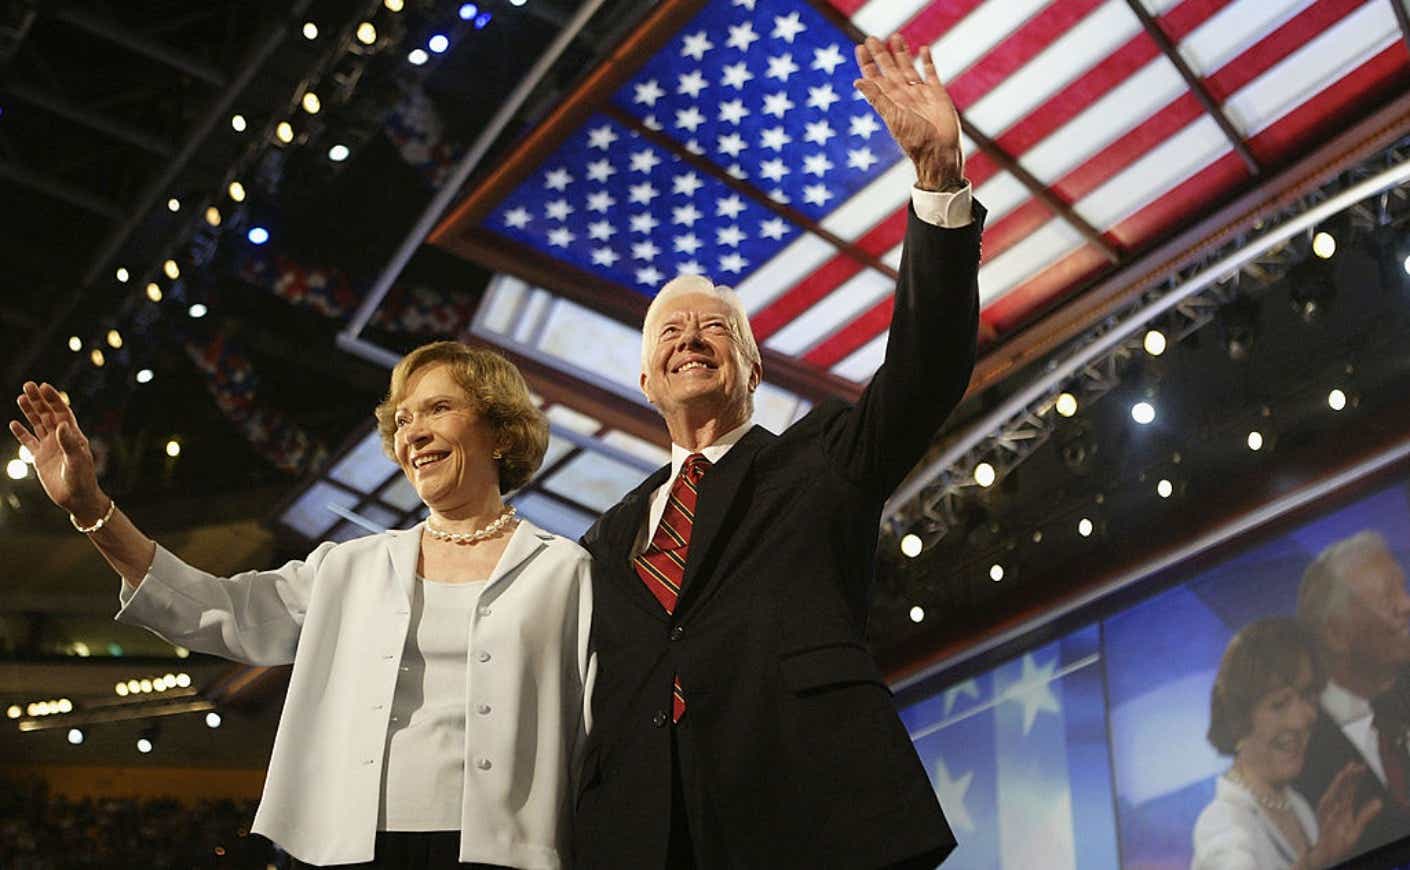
x,y
661,565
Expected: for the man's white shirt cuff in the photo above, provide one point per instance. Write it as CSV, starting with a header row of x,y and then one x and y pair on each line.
x,y
946,209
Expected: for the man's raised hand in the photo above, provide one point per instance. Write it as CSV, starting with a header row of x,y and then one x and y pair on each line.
x,y
916,109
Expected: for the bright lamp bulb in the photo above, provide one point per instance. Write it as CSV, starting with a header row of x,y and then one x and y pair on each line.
x,y
984,474
911,545
1143,413
1154,342
917,614
1066,404
1324,245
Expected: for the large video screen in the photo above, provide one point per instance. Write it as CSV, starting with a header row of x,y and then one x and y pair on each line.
x,y
1254,715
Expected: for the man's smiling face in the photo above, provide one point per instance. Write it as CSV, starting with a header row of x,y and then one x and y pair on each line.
x,y
697,361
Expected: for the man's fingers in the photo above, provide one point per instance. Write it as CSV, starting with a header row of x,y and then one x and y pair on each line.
x,y
68,437
32,416
883,59
57,406
904,61
927,66
22,435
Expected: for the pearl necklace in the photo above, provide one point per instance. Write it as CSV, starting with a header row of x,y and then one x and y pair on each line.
x,y
1277,804
472,537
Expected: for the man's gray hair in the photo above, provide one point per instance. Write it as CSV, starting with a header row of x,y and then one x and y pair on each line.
x,y
1323,593
739,318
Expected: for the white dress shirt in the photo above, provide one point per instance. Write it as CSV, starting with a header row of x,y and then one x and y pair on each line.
x,y
1234,832
947,209
1353,714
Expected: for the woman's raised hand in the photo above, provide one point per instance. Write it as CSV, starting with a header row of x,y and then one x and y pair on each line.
x,y
62,457
1340,822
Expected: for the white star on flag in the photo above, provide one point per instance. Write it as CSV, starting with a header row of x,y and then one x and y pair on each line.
x,y
747,4
561,237
822,97
650,276
731,144
644,160
648,92
951,793
969,688
558,210
650,123
644,223
686,184
604,257
696,45
816,194
1034,690
816,164
736,76
558,179
777,104
646,250
775,138
601,230
730,235
828,59
689,118
691,84
819,131
861,158
686,214
737,171
773,170
729,207
688,243
602,137
741,36
864,125
601,170
781,67
787,27
694,147
690,267
773,229
778,196
644,193
518,218
600,201
733,111
733,263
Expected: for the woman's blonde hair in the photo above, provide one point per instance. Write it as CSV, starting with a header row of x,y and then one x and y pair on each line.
x,y
499,394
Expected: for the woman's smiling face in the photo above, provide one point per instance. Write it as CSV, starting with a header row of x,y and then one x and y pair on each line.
x,y
443,444
1279,728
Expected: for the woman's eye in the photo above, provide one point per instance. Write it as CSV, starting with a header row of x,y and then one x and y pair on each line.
x,y
400,422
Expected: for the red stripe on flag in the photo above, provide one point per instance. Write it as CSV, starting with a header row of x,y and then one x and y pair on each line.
x,y
1264,54
1014,226
1017,49
1010,310
847,7
935,20
1129,148
1190,196
869,325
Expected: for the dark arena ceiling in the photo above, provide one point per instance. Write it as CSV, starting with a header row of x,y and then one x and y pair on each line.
x,y
1142,160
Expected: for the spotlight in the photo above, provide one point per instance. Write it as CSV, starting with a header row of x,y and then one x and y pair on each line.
x,y
122,275
1336,400
984,474
14,712
75,343
917,614
517,2
17,469
468,11
311,103
257,235
284,132
1066,404
173,449
134,687
1154,342
197,311
482,20
366,33
1085,527
75,736
145,745
394,5
146,685
65,705
121,690
144,376
183,680
1324,244
996,572
310,30
25,455
1143,413
237,123
171,270
173,205
338,153
213,719
154,292
236,191
1255,440
438,43
911,545
213,216
95,356
417,57
114,339
1164,488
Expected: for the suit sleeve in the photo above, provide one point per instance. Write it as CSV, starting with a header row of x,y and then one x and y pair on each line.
x,y
929,357
253,617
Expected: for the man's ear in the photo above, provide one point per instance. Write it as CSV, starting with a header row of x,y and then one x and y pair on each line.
x,y
641,382
756,376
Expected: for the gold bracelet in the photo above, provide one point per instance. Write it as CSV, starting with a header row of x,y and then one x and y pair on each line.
x,y
88,530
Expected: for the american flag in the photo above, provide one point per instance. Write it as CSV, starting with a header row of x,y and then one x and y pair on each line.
x,y
1076,91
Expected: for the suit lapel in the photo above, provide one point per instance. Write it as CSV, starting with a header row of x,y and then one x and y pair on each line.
x,y
404,548
619,533
717,494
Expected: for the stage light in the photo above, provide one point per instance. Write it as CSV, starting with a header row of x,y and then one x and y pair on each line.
x,y
75,343
996,572
1324,244
394,5
468,11
173,449
1154,342
417,57
517,2
154,292
144,376
911,545
482,20
171,270
338,153
75,736
95,356
212,216
114,339
1255,440
284,132
32,709
181,652
1164,488
438,43
311,103
1066,404
310,30
65,705
917,614
197,311
122,275
183,680
173,205
212,719
1143,413
1336,400
146,685
17,469
237,123
236,191
366,33
1085,527
25,455
14,711
121,690
145,745
257,235
133,686
984,474
1406,265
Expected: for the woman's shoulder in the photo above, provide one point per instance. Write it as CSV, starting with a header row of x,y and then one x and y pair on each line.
x,y
559,547
1226,830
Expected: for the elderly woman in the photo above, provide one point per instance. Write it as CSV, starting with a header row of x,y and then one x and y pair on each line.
x,y
1262,709
440,675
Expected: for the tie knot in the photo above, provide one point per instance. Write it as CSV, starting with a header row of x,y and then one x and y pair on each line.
x,y
695,466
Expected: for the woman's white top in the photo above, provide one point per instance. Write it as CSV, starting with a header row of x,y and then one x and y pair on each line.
x,y
1235,833
342,617
423,772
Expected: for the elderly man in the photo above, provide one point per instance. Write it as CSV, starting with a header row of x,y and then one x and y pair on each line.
x,y
739,719
1354,602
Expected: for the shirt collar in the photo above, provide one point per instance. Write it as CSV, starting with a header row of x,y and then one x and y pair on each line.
x,y
715,452
1344,706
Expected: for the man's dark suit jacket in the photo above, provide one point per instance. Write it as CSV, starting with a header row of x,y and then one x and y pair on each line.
x,y
1328,751
792,754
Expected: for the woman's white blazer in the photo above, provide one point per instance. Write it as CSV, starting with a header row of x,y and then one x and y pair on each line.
x,y
341,616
